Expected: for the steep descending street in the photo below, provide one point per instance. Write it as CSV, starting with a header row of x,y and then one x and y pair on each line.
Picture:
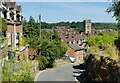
x,y
62,73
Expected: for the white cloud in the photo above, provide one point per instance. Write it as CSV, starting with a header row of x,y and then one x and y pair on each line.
x,y
62,0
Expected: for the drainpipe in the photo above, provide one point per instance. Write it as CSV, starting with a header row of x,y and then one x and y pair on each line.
x,y
14,37
14,33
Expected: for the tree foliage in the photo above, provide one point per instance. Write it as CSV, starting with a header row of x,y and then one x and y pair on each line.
x,y
48,45
104,39
104,42
115,8
4,24
79,25
104,25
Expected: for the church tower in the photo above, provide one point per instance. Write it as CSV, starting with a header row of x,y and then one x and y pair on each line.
x,y
87,26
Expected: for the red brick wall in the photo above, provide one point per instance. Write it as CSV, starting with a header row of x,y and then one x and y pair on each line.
x,y
10,28
77,55
19,28
70,52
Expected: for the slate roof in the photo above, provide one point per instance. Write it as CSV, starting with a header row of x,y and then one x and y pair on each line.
x,y
71,35
76,38
75,47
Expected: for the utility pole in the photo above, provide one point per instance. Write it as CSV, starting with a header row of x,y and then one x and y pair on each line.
x,y
40,31
40,24
118,28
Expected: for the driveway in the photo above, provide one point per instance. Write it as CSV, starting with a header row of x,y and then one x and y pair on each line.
x,y
62,73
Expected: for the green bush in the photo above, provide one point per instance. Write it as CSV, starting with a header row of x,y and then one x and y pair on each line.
x,y
43,62
23,41
103,42
20,71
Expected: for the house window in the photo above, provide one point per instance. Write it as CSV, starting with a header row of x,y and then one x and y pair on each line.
x,y
18,18
5,14
87,31
72,42
77,41
12,16
66,37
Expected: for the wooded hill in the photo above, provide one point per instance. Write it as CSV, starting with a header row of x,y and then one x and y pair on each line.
x,y
79,25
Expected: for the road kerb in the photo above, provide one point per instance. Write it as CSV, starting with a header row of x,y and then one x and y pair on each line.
x,y
38,75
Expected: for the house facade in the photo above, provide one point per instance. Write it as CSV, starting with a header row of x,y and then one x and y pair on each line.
x,y
75,51
13,15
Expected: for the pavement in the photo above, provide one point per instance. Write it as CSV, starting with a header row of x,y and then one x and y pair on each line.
x,y
65,72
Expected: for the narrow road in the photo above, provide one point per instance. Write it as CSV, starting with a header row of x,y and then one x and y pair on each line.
x,y
63,73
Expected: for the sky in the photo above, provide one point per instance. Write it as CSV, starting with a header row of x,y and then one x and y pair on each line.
x,y
62,0
53,12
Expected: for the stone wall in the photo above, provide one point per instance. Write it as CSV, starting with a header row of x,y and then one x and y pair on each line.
x,y
24,54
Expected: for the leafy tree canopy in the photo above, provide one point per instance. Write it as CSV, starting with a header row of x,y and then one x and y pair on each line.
x,y
115,8
48,45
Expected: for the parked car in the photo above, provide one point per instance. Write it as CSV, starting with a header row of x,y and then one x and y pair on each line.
x,y
70,59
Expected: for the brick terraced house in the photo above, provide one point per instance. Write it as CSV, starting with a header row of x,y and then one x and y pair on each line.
x,y
75,51
75,42
12,13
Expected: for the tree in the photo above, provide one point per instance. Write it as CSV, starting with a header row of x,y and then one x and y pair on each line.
x,y
103,42
73,25
115,8
48,47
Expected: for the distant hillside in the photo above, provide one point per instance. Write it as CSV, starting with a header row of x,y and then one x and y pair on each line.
x,y
79,25
104,25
